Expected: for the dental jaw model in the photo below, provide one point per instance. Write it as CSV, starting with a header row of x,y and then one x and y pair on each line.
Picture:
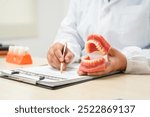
x,y
19,55
97,49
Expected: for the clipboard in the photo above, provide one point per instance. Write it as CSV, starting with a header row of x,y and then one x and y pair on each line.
x,y
46,76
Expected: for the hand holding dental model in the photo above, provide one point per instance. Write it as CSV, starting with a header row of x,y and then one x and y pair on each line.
x,y
102,58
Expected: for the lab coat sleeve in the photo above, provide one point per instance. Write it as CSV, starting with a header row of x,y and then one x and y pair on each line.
x,y
138,60
68,31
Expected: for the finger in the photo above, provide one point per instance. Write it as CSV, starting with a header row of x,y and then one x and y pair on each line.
x,y
113,52
54,55
59,55
54,60
96,73
69,57
109,68
50,56
56,63
64,66
49,59
58,52
81,73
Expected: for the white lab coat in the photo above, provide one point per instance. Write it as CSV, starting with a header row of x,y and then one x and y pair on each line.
x,y
125,24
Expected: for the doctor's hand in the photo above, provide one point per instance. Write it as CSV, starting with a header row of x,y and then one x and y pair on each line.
x,y
55,56
116,62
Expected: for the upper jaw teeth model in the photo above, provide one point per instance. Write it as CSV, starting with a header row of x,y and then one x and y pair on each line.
x,y
97,49
20,50
19,55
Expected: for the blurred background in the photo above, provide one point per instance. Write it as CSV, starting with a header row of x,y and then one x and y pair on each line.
x,y
32,23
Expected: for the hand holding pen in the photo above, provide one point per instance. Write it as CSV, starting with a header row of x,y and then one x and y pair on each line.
x,y
56,57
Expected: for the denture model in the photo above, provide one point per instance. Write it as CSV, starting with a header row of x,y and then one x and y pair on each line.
x,y
97,49
19,55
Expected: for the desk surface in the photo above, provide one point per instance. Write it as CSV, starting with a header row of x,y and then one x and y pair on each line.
x,y
119,86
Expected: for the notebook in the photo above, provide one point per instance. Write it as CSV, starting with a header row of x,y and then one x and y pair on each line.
x,y
46,75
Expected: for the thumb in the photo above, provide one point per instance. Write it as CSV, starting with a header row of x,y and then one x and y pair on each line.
x,y
111,54
59,55
112,51
58,52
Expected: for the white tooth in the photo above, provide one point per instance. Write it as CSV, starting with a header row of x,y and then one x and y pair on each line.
x,y
100,49
21,50
94,55
11,49
106,58
103,50
91,41
15,49
97,44
26,49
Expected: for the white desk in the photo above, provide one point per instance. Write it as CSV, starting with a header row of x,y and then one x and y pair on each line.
x,y
113,87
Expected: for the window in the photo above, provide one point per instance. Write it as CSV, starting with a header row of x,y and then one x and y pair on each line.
x,y
18,18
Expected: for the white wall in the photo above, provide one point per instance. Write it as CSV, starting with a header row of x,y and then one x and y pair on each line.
x,y
50,14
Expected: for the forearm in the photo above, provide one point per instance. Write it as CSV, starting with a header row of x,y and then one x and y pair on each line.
x,y
138,60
